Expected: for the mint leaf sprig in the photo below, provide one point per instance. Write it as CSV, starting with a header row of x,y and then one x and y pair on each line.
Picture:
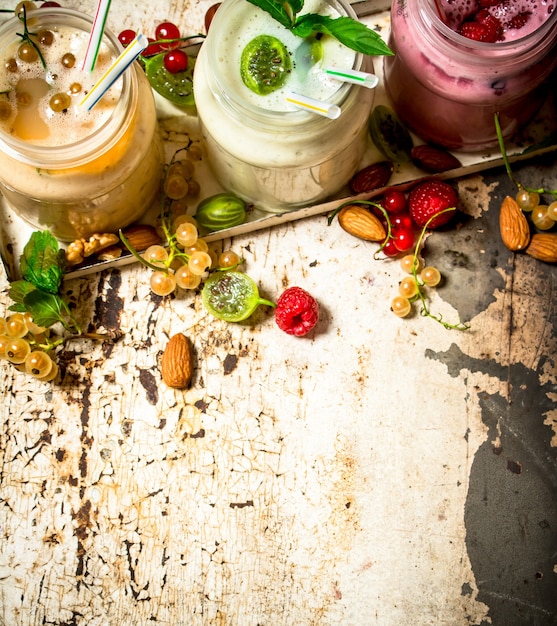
x,y
42,266
352,33
38,292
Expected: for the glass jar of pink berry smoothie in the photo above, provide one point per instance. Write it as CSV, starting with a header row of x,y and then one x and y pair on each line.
x,y
458,63
62,167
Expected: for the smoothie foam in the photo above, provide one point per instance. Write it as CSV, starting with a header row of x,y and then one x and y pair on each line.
x,y
308,81
29,89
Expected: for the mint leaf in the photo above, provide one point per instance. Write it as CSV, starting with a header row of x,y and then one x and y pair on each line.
x,y
18,290
42,263
45,308
352,33
283,12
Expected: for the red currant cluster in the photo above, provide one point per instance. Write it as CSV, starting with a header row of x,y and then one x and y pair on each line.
x,y
167,41
405,219
404,215
401,238
427,204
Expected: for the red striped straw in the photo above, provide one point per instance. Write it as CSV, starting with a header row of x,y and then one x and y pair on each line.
x,y
95,38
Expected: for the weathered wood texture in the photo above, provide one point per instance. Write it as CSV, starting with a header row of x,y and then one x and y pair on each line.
x,y
380,471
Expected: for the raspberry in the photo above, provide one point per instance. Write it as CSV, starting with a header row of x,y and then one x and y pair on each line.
x,y
297,312
494,26
477,32
428,199
519,20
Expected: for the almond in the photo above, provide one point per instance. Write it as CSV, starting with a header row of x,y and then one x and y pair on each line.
x,y
543,246
361,223
372,177
433,160
177,362
141,236
513,225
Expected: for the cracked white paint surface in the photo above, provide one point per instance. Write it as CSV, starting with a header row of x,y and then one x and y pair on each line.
x,y
317,481
322,481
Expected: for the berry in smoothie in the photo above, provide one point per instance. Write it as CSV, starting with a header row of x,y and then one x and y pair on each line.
x,y
492,21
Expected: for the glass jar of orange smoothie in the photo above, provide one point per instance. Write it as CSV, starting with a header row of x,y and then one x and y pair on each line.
x,y
63,168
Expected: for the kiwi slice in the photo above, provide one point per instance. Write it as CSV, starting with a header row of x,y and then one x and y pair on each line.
x,y
265,64
389,134
178,88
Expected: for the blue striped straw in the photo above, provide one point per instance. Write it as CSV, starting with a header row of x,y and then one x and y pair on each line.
x,y
120,65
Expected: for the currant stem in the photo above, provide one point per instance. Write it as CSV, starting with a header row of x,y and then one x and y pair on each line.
x,y
26,37
138,256
424,311
502,148
174,251
159,42
230,267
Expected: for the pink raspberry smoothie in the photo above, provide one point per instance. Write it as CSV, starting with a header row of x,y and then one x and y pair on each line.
x,y
450,76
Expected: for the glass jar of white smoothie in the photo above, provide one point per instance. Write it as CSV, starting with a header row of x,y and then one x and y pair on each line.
x,y
63,168
259,147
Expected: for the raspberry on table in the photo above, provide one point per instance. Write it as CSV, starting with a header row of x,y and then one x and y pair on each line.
x,y
297,312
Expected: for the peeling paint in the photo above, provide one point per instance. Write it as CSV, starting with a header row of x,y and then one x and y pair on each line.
x,y
384,472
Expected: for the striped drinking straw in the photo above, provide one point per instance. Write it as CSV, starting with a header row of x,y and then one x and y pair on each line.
x,y
353,76
120,65
326,109
96,35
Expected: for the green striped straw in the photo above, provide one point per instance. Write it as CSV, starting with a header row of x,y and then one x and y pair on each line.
x,y
95,38
353,76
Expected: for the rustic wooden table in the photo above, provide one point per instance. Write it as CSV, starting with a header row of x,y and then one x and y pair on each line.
x,y
380,471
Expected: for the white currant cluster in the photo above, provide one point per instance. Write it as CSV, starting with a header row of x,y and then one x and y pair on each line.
x,y
24,344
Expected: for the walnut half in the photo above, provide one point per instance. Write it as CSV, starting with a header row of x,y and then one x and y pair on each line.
x,y
80,249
